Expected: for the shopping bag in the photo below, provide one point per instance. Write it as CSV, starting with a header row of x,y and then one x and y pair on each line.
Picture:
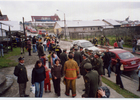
x,y
122,68
32,89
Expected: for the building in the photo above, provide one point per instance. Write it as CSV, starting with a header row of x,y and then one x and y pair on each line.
x,y
112,22
44,21
42,24
4,18
80,27
45,18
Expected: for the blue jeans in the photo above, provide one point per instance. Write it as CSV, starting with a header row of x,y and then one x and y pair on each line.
x,y
34,48
45,46
133,49
39,89
1,53
109,70
50,65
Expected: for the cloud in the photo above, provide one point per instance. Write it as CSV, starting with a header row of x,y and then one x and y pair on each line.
x,y
74,10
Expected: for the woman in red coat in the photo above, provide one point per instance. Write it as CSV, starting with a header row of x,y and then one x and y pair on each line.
x,y
47,80
115,45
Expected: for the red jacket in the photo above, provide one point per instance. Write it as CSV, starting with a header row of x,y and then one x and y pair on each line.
x,y
48,43
47,79
115,44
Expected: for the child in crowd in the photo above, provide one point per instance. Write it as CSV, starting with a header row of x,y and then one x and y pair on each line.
x,y
47,80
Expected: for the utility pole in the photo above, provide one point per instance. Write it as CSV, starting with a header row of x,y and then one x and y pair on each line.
x,y
24,33
65,25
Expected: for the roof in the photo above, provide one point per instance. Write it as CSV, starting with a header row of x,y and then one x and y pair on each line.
x,y
39,18
112,22
43,22
14,25
82,23
4,17
118,50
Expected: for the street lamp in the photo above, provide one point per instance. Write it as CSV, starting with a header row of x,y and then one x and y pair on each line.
x,y
64,22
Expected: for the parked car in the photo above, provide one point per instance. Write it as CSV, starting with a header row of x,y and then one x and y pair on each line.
x,y
86,45
42,32
129,61
32,30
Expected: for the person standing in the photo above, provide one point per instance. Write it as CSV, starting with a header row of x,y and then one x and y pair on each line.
x,y
21,73
40,50
118,74
48,44
58,50
38,77
49,59
134,45
47,80
22,44
99,67
1,50
53,57
82,69
96,42
71,71
56,76
29,46
77,56
81,52
107,61
122,42
91,81
115,45
139,78
34,44
43,60
45,45
63,58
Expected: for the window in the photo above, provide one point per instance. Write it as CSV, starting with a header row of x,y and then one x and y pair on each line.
x,y
112,55
91,28
126,55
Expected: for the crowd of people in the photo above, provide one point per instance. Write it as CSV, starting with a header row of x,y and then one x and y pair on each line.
x,y
67,67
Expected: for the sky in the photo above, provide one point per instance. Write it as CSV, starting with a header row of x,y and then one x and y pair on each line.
x,y
73,9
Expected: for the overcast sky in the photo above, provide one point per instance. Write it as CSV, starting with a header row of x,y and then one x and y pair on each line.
x,y
74,10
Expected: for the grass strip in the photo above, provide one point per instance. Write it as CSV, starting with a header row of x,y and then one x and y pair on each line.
x,y
6,62
115,87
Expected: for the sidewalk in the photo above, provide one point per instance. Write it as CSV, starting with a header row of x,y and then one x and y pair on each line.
x,y
129,84
79,87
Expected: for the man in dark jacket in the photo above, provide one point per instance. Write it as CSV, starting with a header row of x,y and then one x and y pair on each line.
x,y
91,81
107,58
34,44
82,69
29,46
21,73
77,56
40,50
99,67
63,58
